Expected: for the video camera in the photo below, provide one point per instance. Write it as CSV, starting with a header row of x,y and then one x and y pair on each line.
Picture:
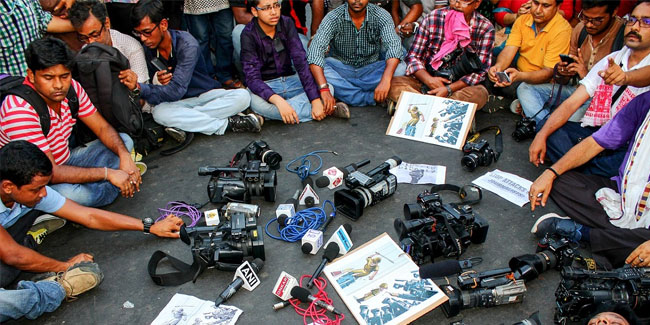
x,y
581,291
228,244
433,229
366,189
239,184
259,150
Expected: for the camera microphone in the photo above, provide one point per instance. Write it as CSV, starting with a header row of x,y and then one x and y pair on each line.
x,y
331,251
440,269
245,276
304,295
323,181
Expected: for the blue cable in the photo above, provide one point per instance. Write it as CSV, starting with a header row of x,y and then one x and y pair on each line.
x,y
304,169
312,218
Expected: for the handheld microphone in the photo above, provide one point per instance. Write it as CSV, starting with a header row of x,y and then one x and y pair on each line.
x,y
342,238
304,295
294,200
440,269
333,177
245,276
331,251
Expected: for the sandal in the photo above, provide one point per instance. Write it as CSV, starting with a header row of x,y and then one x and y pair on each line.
x,y
232,84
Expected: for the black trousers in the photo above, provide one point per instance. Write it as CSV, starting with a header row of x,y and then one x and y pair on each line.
x,y
574,193
18,232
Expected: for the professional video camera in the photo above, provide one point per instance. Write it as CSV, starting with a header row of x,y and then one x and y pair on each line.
x,y
433,229
581,291
366,189
258,150
524,129
239,184
227,245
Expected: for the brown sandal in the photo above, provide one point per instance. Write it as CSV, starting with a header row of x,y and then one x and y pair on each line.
x,y
232,84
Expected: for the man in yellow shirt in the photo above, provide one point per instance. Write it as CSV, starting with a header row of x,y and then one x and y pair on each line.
x,y
539,37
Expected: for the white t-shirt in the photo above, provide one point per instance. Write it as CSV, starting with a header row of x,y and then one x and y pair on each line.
x,y
132,50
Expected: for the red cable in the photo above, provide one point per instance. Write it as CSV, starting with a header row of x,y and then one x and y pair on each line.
x,y
313,312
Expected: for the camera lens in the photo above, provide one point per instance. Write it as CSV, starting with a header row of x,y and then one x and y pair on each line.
x,y
469,161
412,211
272,158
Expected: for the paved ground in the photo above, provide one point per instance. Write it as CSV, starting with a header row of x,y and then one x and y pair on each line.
x,y
123,256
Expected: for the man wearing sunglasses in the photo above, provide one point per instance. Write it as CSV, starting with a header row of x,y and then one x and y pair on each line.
x,y
591,40
559,134
185,96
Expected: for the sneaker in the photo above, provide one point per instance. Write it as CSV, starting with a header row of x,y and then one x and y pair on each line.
x,y
515,107
341,110
245,123
44,225
177,134
552,223
78,279
495,103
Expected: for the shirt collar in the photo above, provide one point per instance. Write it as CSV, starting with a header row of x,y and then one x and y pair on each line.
x,y
555,20
347,13
262,34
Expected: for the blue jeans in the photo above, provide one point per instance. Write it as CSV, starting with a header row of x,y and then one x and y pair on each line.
x,y
533,97
207,114
289,88
93,155
215,26
604,164
356,86
30,299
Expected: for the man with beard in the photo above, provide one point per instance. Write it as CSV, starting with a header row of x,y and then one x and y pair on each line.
x,y
558,134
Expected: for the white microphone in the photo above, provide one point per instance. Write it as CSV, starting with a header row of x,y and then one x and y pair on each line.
x,y
342,237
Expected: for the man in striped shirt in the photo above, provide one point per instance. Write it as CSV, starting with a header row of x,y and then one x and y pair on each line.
x,y
91,175
355,34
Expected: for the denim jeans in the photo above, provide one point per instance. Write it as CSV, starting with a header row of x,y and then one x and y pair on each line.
x,y
604,164
533,97
356,86
289,88
93,155
30,299
215,26
207,114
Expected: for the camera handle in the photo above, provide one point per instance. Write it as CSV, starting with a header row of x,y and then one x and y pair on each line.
x,y
498,139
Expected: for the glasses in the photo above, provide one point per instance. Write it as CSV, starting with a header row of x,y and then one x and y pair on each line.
x,y
146,33
463,3
86,38
643,22
275,6
594,21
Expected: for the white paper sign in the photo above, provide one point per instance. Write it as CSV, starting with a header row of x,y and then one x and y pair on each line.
x,y
184,309
419,173
508,186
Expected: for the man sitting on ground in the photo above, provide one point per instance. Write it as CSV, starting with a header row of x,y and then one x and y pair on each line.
x,y
592,39
355,34
184,94
25,172
433,43
610,214
558,134
91,175
270,46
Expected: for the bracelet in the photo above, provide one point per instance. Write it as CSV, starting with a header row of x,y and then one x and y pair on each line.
x,y
554,171
449,91
105,173
324,90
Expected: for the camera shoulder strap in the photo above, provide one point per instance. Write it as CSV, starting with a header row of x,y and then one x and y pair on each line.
x,y
461,191
185,272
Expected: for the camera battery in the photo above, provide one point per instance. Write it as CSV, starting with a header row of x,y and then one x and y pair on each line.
x,y
211,217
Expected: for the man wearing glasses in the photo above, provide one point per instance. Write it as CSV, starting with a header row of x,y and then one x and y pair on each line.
x,y
433,51
592,39
558,134
184,94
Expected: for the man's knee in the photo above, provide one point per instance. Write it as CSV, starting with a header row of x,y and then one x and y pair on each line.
x,y
474,94
401,84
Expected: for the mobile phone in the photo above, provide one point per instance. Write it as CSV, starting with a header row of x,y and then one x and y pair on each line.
x,y
156,62
503,77
566,58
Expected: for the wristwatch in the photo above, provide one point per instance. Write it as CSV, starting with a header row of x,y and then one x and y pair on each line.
x,y
147,223
135,92
449,91
323,86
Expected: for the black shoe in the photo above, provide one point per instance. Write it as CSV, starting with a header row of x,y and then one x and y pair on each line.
x,y
189,136
245,123
176,134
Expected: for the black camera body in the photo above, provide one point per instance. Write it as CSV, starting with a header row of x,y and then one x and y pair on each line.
x,y
260,150
239,184
477,154
432,228
490,289
227,245
454,69
366,189
580,292
524,129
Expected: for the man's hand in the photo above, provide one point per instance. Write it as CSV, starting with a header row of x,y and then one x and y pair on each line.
x,y
328,102
381,92
78,259
614,74
122,180
437,82
61,8
164,77
578,66
540,189
524,8
440,92
640,257
128,165
287,112
492,73
168,227
513,75
317,109
537,150
128,78
406,30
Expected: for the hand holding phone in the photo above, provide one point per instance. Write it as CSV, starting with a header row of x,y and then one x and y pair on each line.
x,y
503,77
566,58
160,66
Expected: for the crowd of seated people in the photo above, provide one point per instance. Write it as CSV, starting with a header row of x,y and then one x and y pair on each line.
x,y
579,69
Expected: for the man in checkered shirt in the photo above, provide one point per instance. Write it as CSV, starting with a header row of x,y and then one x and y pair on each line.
x,y
429,39
345,54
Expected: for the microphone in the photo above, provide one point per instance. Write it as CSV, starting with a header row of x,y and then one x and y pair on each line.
x,y
333,176
281,305
245,276
440,269
304,295
294,200
342,238
331,251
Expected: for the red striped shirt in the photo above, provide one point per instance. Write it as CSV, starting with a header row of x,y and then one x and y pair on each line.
x,y
19,121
